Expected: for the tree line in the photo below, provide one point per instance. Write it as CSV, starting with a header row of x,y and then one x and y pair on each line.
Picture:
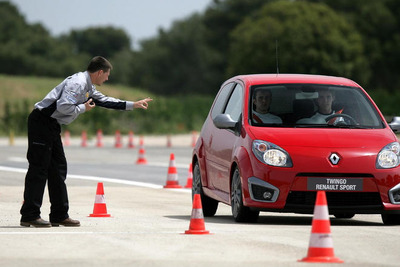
x,y
357,39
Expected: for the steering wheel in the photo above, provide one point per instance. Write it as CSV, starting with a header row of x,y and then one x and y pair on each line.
x,y
336,115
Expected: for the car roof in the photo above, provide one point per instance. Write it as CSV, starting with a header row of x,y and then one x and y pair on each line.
x,y
254,79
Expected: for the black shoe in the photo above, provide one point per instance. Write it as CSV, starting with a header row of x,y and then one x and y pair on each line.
x,y
36,223
67,222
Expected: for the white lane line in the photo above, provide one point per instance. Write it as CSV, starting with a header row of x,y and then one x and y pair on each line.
x,y
183,166
17,159
155,164
100,179
112,180
11,169
77,233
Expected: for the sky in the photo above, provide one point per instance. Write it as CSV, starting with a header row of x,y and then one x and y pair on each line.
x,y
140,19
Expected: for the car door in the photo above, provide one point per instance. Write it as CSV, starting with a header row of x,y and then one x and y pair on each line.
x,y
221,142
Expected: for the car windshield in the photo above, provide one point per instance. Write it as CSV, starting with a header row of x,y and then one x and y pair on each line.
x,y
310,105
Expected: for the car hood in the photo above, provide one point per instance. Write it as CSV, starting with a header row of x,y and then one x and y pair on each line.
x,y
330,138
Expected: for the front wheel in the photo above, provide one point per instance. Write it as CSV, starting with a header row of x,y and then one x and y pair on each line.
x,y
209,205
240,212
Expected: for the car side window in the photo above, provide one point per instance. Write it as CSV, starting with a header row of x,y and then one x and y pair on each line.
x,y
220,101
234,106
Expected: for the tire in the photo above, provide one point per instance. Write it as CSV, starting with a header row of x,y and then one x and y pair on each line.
x,y
391,219
209,205
239,211
344,215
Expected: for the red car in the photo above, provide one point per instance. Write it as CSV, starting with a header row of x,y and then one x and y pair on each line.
x,y
271,141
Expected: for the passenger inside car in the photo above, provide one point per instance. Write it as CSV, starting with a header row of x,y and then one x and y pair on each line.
x,y
261,104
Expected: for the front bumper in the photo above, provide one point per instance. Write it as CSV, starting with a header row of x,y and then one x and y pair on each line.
x,y
296,196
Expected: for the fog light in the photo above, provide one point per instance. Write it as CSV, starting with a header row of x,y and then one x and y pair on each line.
x,y
262,191
396,196
267,195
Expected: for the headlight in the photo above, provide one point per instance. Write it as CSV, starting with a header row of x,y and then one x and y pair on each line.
x,y
389,156
271,154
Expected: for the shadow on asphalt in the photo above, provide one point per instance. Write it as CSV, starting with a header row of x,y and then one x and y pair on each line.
x,y
282,220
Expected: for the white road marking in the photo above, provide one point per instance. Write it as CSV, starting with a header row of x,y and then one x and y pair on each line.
x,y
155,164
17,159
100,179
75,233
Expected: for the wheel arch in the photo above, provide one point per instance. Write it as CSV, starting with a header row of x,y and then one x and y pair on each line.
x,y
242,162
199,157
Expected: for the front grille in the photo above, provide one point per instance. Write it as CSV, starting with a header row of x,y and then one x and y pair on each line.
x,y
301,200
323,174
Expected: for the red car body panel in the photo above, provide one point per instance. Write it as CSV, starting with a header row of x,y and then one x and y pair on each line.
x,y
219,150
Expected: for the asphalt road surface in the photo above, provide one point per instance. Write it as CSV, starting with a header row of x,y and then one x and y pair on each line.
x,y
147,222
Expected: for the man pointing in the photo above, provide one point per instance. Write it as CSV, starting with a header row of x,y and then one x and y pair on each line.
x,y
62,105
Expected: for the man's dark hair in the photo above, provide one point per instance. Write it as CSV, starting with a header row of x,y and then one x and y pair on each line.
x,y
261,90
99,63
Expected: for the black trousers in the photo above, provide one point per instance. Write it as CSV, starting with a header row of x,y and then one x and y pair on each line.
x,y
47,163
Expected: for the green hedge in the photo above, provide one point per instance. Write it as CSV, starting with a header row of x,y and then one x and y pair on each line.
x,y
164,116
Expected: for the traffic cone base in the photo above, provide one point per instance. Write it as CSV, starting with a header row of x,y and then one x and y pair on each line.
x,y
322,259
197,232
100,210
141,161
172,185
321,245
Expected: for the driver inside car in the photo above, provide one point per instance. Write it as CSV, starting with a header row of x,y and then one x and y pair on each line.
x,y
324,103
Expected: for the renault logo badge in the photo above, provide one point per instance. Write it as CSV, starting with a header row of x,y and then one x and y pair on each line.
x,y
334,158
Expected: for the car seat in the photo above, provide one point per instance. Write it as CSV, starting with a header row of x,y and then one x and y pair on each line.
x,y
303,108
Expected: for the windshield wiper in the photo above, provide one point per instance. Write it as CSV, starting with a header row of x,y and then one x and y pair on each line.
x,y
353,126
342,126
311,125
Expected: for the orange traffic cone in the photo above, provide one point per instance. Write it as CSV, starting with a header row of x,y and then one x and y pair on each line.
x,y
118,143
99,137
130,140
100,208
84,139
67,137
189,180
169,143
194,138
321,246
141,159
172,176
197,226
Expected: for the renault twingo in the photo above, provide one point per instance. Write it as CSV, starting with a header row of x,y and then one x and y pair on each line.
x,y
271,141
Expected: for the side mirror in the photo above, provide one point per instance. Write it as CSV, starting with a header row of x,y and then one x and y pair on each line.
x,y
395,124
224,121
